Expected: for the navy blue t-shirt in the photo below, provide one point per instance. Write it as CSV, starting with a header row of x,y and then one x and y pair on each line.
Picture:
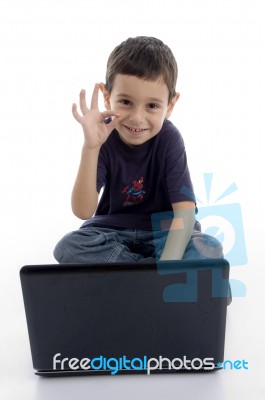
x,y
142,180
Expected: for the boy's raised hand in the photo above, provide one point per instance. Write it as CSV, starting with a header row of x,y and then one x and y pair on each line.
x,y
95,130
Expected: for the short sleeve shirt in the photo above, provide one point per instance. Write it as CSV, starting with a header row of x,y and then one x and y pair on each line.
x,y
142,180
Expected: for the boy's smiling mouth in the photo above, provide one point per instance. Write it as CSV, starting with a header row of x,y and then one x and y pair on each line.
x,y
134,130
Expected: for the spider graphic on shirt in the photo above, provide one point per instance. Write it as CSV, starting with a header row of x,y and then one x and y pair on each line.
x,y
134,192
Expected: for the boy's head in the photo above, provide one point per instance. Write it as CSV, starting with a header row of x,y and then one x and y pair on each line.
x,y
140,86
145,57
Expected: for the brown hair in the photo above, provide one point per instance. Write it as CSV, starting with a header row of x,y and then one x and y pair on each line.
x,y
144,57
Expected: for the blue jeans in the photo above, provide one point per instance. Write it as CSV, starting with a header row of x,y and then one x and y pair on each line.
x,y
92,244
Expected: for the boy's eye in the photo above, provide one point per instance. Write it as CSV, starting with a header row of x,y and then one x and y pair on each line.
x,y
152,105
125,102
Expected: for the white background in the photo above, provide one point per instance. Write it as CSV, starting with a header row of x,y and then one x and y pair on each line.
x,y
49,50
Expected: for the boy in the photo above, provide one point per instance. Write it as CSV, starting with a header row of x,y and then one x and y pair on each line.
x,y
138,156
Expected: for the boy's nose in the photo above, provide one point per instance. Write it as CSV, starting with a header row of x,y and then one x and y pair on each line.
x,y
137,117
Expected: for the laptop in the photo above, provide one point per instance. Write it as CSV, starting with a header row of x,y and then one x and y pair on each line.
x,y
116,318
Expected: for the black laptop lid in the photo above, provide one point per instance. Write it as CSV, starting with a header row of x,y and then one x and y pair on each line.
x,y
173,310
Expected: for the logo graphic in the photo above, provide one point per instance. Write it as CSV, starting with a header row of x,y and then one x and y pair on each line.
x,y
222,225
224,222
143,363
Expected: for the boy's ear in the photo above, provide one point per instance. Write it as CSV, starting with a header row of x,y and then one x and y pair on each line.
x,y
171,104
106,95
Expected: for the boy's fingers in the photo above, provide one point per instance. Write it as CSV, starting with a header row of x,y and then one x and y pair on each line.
x,y
83,106
113,124
109,113
94,99
75,113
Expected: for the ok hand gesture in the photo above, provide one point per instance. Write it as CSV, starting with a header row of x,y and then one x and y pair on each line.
x,y
95,130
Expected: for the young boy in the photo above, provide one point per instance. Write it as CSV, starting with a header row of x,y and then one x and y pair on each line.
x,y
138,156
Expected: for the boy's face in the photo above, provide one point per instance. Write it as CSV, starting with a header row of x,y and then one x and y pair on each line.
x,y
143,106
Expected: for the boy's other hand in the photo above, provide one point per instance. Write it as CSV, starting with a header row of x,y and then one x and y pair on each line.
x,y
95,130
